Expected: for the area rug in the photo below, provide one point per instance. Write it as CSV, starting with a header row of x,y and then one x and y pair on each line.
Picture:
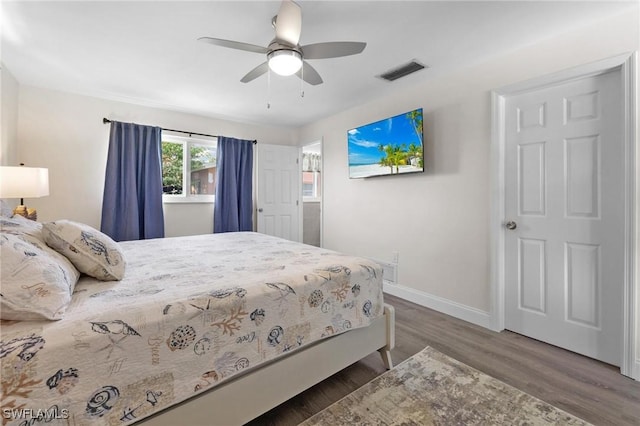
x,y
431,388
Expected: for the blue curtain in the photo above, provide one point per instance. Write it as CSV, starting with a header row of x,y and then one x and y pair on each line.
x,y
233,209
132,201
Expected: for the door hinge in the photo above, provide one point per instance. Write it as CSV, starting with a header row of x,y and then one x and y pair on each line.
x,y
297,160
297,202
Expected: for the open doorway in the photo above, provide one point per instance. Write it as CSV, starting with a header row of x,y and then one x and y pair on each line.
x,y
311,163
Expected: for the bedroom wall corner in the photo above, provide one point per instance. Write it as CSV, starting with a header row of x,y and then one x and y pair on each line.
x,y
9,88
634,133
8,117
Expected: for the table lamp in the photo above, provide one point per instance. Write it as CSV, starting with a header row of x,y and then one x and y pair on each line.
x,y
24,182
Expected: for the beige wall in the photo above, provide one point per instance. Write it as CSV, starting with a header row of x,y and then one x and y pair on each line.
x,y
65,133
438,222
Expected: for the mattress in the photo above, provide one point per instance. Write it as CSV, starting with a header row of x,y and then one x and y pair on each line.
x,y
191,312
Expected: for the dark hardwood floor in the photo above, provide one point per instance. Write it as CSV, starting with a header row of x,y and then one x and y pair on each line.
x,y
589,389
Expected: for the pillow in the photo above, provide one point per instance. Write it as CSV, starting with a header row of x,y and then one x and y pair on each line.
x,y
37,282
19,225
91,251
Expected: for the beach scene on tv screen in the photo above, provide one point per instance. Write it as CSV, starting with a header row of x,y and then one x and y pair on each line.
x,y
387,147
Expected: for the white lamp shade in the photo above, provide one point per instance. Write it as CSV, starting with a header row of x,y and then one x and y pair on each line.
x,y
24,182
285,62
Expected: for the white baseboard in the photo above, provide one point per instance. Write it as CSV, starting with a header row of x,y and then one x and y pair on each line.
x,y
635,374
441,304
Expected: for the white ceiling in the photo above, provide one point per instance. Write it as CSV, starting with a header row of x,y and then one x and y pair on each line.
x,y
145,52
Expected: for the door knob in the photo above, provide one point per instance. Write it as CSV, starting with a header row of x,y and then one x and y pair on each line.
x,y
260,210
511,225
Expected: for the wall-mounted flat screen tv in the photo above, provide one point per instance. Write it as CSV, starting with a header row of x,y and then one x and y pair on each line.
x,y
387,147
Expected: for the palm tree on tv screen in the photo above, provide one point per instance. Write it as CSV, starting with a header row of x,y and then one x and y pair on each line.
x,y
386,161
394,156
415,151
416,119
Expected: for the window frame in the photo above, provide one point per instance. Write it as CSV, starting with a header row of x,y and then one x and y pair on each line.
x,y
186,196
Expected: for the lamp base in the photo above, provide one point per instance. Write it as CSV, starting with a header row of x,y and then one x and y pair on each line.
x,y
25,212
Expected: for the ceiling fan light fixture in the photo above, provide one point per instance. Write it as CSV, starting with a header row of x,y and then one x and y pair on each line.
x,y
285,62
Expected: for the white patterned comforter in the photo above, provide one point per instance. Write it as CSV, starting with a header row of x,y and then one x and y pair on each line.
x,y
190,313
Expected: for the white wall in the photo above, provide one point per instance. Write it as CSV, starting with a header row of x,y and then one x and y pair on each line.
x,y
8,127
439,221
182,219
8,117
65,133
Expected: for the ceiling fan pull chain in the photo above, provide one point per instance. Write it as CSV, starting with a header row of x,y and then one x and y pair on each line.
x,y
302,81
268,88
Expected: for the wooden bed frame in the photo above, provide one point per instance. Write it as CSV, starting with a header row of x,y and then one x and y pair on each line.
x,y
255,392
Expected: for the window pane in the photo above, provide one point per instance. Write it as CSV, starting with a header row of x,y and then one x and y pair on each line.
x,y
311,184
307,190
172,163
307,177
203,169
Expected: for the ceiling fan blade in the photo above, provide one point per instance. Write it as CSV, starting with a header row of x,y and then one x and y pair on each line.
x,y
332,49
234,44
309,74
289,23
255,73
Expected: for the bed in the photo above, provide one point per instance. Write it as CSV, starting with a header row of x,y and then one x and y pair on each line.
x,y
210,329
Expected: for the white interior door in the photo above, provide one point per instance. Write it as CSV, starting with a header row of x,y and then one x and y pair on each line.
x,y
564,193
278,194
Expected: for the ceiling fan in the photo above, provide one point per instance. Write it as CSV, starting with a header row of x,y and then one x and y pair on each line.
x,y
284,55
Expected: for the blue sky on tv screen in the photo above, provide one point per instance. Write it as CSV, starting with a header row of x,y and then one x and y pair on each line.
x,y
364,141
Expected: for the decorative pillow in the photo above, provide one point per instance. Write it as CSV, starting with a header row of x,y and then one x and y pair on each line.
x,y
37,282
19,225
91,251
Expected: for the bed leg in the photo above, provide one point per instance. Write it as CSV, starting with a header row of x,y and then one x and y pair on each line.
x,y
385,352
386,358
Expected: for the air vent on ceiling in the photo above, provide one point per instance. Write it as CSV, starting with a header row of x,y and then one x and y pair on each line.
x,y
402,71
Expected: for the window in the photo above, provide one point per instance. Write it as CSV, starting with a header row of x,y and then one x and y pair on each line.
x,y
311,179
311,188
188,169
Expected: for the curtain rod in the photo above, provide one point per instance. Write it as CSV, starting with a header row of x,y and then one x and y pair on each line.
x,y
106,120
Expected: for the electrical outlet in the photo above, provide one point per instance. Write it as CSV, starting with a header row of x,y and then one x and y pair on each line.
x,y
395,257
389,273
